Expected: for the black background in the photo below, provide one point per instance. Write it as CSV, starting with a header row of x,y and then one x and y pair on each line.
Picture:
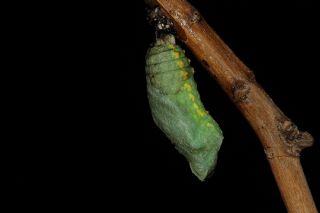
x,y
87,131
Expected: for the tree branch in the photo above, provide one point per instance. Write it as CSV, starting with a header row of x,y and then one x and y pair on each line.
x,y
281,139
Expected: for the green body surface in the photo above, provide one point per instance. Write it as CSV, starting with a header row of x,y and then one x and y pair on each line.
x,y
177,109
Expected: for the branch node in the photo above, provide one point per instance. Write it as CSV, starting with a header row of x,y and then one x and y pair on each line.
x,y
251,76
269,152
240,91
195,17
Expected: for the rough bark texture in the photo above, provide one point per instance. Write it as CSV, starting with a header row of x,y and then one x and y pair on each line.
x,y
281,139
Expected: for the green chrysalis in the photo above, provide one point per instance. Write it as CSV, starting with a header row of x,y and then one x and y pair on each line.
x,y
177,109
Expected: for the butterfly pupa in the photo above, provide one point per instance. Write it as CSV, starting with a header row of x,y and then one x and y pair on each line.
x,y
176,106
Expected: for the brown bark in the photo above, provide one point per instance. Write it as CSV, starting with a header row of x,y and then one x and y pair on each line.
x,y
281,139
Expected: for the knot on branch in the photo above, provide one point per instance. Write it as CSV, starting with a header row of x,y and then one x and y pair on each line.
x,y
195,16
240,91
295,140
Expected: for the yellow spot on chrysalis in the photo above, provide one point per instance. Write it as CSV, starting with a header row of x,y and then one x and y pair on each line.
x,y
187,86
180,64
176,55
201,112
184,75
192,97
171,46
209,125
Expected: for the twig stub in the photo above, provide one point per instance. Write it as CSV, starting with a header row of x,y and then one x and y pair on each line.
x,y
294,139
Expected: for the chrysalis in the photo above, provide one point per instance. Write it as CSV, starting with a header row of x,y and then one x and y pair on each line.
x,y
177,109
